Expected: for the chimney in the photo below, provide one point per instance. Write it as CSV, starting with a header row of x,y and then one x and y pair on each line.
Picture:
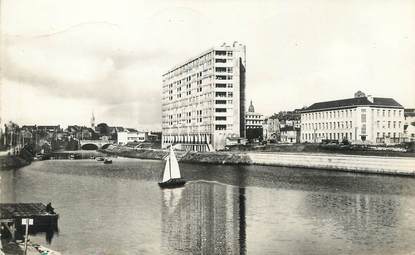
x,y
370,98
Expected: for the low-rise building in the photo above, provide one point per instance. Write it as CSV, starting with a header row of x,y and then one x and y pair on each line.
x,y
232,141
154,136
290,134
409,126
289,118
359,119
271,129
253,124
130,135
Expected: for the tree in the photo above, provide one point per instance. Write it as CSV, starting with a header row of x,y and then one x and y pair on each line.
x,y
103,129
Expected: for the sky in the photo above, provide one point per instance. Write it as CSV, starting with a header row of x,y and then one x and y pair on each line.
x,y
63,60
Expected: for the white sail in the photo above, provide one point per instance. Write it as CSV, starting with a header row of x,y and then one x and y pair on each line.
x,y
166,173
174,165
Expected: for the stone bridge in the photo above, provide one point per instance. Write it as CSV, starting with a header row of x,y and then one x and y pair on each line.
x,y
94,144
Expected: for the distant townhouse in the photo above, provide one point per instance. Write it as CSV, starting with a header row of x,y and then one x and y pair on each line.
x,y
50,128
271,129
253,124
80,132
290,134
409,126
359,119
154,136
289,118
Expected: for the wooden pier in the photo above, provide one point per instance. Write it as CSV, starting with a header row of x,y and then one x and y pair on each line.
x,y
12,214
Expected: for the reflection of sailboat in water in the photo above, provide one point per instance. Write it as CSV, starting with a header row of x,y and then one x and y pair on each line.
x,y
171,174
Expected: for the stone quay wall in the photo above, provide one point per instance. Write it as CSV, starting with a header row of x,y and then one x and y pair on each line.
x,y
326,161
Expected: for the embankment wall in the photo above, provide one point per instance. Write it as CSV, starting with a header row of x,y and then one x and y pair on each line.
x,y
326,161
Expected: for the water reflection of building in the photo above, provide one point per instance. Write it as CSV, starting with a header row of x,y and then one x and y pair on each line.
x,y
362,217
203,218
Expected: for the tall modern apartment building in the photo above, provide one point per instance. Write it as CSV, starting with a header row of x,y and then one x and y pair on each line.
x,y
203,99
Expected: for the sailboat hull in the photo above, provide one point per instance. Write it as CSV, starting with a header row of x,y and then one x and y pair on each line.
x,y
172,183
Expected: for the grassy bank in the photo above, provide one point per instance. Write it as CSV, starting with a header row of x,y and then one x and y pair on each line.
x,y
217,158
182,156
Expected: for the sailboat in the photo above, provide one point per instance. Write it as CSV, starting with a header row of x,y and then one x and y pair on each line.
x,y
171,174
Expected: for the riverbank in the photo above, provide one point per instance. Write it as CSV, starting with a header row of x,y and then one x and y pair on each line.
x,y
327,161
401,150
12,162
10,248
79,154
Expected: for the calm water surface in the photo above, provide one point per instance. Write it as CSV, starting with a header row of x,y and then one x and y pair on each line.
x,y
119,209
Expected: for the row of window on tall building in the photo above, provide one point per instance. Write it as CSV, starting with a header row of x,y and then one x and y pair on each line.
x,y
330,136
328,125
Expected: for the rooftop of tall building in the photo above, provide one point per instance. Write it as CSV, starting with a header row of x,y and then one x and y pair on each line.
x,y
360,99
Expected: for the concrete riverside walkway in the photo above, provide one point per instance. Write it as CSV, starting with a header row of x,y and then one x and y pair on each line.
x,y
349,163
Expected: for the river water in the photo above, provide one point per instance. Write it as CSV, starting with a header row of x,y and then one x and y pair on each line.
x,y
119,209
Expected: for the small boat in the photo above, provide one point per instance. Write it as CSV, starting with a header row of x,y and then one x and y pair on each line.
x,y
100,159
171,174
107,161
75,156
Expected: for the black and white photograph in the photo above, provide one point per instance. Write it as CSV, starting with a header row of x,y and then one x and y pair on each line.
x,y
207,127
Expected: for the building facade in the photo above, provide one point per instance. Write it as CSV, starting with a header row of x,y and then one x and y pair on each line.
x,y
359,119
253,124
203,100
409,126
130,135
290,134
271,129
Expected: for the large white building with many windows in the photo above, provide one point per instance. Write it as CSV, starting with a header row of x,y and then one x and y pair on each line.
x,y
359,119
203,99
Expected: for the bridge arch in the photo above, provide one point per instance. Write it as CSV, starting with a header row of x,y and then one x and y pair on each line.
x,y
89,146
105,146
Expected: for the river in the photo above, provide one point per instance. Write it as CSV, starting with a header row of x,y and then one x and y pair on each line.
x,y
119,209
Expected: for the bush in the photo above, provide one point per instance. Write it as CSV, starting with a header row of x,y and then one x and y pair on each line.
x,y
410,146
345,142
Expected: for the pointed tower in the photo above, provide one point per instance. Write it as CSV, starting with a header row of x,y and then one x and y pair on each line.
x,y
93,120
251,107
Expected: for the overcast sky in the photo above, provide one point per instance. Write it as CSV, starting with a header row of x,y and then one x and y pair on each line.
x,y
61,60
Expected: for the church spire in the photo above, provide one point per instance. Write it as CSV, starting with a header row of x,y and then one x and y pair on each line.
x,y
92,120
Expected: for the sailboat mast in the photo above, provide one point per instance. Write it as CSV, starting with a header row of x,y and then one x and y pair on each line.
x,y
170,163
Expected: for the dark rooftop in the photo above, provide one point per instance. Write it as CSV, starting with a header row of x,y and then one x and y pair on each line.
x,y
23,210
353,102
409,112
